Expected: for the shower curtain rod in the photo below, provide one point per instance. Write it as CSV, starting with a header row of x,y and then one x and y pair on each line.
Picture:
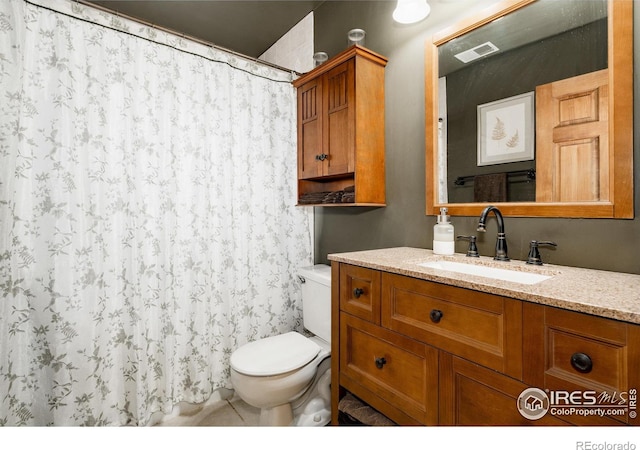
x,y
186,36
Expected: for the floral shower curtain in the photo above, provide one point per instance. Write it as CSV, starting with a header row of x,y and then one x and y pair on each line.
x,y
147,226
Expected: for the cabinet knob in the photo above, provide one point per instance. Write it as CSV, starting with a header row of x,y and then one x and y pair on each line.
x,y
435,315
581,362
357,292
321,157
380,362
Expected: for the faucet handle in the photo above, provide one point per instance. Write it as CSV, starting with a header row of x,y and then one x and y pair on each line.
x,y
473,250
534,254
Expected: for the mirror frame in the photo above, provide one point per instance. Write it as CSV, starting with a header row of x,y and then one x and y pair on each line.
x,y
620,64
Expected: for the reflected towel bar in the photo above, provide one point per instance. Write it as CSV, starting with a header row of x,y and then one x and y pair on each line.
x,y
530,174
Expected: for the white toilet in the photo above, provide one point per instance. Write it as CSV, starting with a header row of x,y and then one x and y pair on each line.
x,y
288,376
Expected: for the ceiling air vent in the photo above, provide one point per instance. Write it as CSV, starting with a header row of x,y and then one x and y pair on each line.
x,y
477,52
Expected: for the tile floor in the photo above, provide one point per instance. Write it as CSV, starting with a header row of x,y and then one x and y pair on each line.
x,y
231,412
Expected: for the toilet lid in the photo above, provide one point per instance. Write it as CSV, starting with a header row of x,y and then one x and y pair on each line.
x,y
274,355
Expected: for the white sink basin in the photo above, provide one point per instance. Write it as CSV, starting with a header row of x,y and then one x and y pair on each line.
x,y
514,276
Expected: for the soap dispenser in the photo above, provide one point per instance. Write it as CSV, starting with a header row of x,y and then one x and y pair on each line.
x,y
443,235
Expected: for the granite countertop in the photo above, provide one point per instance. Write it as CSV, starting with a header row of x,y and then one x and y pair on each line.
x,y
607,294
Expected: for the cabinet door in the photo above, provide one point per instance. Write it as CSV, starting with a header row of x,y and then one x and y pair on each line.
x,y
589,363
473,395
339,121
310,129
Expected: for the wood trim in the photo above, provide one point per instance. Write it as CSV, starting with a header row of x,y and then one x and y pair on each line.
x,y
369,132
431,127
533,338
621,106
531,209
513,335
486,16
446,391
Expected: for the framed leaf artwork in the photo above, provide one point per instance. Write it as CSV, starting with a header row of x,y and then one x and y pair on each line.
x,y
506,130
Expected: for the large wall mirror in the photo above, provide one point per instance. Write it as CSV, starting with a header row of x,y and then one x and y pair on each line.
x,y
529,106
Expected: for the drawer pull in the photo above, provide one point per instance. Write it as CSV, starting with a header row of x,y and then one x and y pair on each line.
x,y
357,292
380,362
435,315
581,362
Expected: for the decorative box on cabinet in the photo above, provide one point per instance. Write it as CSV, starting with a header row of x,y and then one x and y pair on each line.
x,y
341,148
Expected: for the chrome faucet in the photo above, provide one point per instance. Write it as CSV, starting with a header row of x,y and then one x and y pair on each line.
x,y
501,241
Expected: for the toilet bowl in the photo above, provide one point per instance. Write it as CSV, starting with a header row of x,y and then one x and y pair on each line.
x,y
287,376
271,389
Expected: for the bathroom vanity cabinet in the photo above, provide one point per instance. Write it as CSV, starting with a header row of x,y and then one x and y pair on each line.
x,y
341,149
427,353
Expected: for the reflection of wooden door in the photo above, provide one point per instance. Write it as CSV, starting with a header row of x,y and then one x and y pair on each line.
x,y
572,139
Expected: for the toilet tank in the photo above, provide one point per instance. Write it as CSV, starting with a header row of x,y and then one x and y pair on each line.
x,y
316,299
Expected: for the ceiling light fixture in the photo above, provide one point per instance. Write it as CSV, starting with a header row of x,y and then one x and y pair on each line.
x,y
411,11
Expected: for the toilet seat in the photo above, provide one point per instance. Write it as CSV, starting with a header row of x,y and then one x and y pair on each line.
x,y
274,355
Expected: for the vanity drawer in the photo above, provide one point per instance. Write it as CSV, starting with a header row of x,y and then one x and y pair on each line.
x,y
360,292
480,327
400,371
577,352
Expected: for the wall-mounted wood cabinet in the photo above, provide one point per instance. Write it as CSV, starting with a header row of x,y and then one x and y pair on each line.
x,y
341,131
